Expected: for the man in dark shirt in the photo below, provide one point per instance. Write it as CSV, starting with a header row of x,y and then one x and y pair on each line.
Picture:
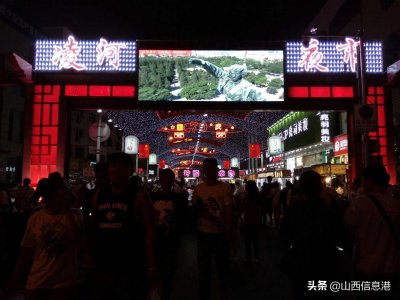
x,y
123,227
168,207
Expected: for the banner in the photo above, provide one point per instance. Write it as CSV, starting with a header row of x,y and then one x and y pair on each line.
x,y
144,150
226,164
254,151
161,163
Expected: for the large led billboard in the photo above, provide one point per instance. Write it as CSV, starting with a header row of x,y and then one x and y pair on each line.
x,y
211,75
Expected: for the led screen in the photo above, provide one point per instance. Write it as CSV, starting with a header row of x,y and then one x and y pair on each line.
x,y
210,75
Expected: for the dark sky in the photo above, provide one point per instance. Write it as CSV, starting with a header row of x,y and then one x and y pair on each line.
x,y
173,19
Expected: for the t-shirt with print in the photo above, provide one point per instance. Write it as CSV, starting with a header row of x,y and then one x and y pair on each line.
x,y
119,241
164,212
55,262
215,199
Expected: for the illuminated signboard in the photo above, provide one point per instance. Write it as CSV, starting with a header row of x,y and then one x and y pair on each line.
x,y
189,173
85,55
194,173
220,134
275,145
211,75
338,56
340,145
298,129
294,129
325,132
179,135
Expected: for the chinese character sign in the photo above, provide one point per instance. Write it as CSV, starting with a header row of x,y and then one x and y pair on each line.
x,y
66,57
110,52
333,56
325,133
311,57
340,145
90,56
294,129
349,50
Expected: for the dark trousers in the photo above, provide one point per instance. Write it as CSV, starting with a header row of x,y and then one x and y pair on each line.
x,y
252,240
209,246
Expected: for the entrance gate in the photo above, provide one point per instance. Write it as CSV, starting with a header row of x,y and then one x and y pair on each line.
x,y
57,93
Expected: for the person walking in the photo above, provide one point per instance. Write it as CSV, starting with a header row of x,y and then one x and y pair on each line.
x,y
252,214
53,239
212,200
167,202
23,195
122,230
312,229
372,220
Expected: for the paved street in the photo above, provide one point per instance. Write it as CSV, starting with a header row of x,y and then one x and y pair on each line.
x,y
250,282
258,281
263,280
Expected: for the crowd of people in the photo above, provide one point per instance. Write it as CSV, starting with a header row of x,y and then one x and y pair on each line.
x,y
120,238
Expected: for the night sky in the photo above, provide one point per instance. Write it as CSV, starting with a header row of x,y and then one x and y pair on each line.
x,y
219,20
272,20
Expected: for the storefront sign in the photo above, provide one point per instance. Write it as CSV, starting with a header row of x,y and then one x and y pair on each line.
x,y
323,170
294,129
338,169
340,145
327,170
283,174
300,129
325,133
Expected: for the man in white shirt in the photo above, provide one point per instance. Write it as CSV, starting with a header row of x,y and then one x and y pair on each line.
x,y
212,200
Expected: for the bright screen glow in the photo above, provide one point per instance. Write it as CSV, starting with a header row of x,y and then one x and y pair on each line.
x,y
210,75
